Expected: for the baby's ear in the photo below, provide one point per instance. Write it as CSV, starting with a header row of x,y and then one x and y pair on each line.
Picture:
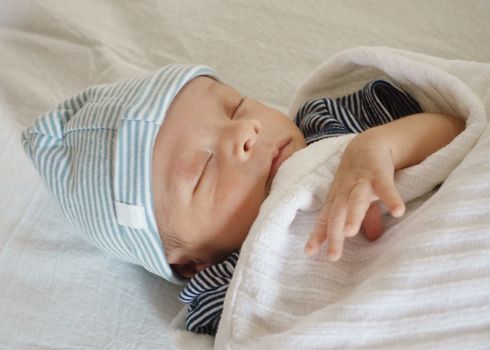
x,y
185,270
188,270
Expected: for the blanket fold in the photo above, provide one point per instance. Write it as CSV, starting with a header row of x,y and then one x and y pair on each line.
x,y
424,283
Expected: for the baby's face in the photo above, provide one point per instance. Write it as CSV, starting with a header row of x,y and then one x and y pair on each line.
x,y
214,160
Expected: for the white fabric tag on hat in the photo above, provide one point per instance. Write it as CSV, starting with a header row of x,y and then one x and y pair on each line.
x,y
131,215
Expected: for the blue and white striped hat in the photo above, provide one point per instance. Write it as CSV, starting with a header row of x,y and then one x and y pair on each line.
x,y
94,152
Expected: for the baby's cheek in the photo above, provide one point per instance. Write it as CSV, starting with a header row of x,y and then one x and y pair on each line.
x,y
186,171
232,190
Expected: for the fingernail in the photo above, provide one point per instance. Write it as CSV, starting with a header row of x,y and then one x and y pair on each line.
x,y
398,211
348,228
308,250
335,258
331,254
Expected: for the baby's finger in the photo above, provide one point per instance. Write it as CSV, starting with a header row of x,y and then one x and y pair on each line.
x,y
316,239
319,232
335,230
389,195
358,205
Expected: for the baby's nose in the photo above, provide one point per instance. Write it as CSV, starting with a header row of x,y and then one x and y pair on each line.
x,y
244,137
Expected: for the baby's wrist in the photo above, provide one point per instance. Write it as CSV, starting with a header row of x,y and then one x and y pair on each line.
x,y
378,139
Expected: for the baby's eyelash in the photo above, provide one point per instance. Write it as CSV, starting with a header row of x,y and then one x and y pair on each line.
x,y
237,106
202,173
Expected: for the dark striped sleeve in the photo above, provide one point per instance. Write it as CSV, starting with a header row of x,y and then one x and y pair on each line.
x,y
205,295
377,103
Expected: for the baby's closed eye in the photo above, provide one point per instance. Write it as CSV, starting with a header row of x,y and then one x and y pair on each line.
x,y
203,172
237,106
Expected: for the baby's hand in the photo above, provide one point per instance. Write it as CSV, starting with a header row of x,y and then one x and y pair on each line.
x,y
365,175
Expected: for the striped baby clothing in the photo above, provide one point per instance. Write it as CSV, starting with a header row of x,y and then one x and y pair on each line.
x,y
377,103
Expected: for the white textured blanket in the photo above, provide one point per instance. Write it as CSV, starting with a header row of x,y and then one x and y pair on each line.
x,y
426,282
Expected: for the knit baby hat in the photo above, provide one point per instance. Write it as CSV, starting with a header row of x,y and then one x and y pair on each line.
x,y
94,152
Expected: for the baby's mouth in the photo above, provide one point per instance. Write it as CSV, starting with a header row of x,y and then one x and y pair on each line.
x,y
280,155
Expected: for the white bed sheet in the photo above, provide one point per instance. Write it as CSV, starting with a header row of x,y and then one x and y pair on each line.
x,y
57,291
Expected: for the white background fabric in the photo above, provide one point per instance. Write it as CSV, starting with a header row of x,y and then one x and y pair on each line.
x,y
57,291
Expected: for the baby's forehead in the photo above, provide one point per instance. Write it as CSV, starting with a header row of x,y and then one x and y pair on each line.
x,y
198,103
210,87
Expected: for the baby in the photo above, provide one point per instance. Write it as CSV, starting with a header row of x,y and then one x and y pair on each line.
x,y
240,143
217,154
168,171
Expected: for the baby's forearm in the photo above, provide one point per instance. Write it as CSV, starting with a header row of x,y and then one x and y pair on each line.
x,y
413,138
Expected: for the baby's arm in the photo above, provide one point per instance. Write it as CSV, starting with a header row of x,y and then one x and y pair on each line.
x,y
366,174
